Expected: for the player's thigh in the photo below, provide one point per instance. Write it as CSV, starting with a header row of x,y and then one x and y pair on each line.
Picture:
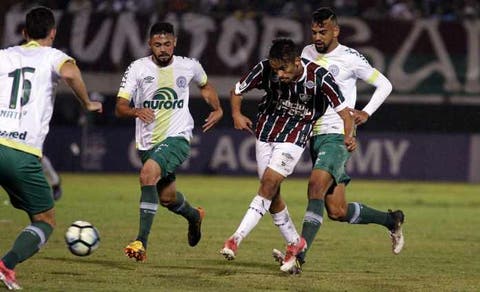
x,y
263,154
21,175
330,155
169,154
285,157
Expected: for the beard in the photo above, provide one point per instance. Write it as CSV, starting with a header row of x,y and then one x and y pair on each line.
x,y
322,49
163,60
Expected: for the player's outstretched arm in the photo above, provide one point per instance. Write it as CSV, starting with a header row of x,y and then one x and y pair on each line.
x,y
123,110
209,94
73,77
240,121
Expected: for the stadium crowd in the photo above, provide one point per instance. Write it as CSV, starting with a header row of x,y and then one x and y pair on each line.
x,y
447,10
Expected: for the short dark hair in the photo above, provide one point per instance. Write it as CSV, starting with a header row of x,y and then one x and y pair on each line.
x,y
322,14
161,28
39,22
283,49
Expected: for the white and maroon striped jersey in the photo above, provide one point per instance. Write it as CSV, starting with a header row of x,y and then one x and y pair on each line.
x,y
288,111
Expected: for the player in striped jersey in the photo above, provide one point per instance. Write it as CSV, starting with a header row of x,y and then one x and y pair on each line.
x,y
297,93
159,86
28,76
328,178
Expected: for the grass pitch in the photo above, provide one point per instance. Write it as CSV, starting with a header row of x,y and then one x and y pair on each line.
x,y
442,251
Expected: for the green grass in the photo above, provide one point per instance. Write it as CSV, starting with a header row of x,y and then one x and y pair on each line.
x,y
442,251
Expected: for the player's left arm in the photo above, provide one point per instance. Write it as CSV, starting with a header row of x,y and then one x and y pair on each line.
x,y
70,72
209,94
383,87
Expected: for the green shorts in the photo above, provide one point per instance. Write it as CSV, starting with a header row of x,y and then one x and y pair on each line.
x,y
21,175
328,152
169,154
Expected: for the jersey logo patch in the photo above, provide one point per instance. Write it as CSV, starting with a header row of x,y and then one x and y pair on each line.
x,y
334,70
149,79
309,84
181,82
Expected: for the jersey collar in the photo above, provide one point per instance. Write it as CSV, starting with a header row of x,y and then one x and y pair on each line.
x,y
31,44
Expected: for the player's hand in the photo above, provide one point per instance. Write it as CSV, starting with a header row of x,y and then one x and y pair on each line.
x,y
241,122
94,106
212,119
360,117
351,143
146,115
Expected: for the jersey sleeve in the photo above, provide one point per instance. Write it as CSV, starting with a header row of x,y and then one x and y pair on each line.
x,y
128,85
199,75
58,58
362,68
253,79
330,89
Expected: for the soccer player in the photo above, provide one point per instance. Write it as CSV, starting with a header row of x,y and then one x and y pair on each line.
x,y
52,177
297,93
28,76
328,179
159,84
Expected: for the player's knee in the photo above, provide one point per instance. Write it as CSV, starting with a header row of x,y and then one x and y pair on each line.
x,y
47,217
269,187
316,190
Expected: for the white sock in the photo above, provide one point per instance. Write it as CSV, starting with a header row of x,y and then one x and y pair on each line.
x,y
258,207
285,223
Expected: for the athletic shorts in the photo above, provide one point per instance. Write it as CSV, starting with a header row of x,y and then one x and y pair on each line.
x,y
22,177
329,153
169,154
281,157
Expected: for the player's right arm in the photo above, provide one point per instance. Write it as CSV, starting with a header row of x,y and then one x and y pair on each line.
x,y
252,80
240,121
128,87
73,77
123,110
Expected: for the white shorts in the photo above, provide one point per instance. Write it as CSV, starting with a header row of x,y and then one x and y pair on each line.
x,y
281,157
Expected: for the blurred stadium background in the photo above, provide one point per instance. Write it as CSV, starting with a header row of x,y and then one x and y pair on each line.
x,y
428,129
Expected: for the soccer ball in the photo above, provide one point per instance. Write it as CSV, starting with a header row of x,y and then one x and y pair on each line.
x,y
82,238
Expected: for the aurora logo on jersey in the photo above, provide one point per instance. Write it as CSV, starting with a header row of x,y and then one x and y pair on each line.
x,y
164,98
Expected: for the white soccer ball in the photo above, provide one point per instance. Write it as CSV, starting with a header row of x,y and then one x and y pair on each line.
x,y
82,238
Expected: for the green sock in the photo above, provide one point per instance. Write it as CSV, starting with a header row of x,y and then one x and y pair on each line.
x,y
361,214
28,243
183,208
148,209
311,222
